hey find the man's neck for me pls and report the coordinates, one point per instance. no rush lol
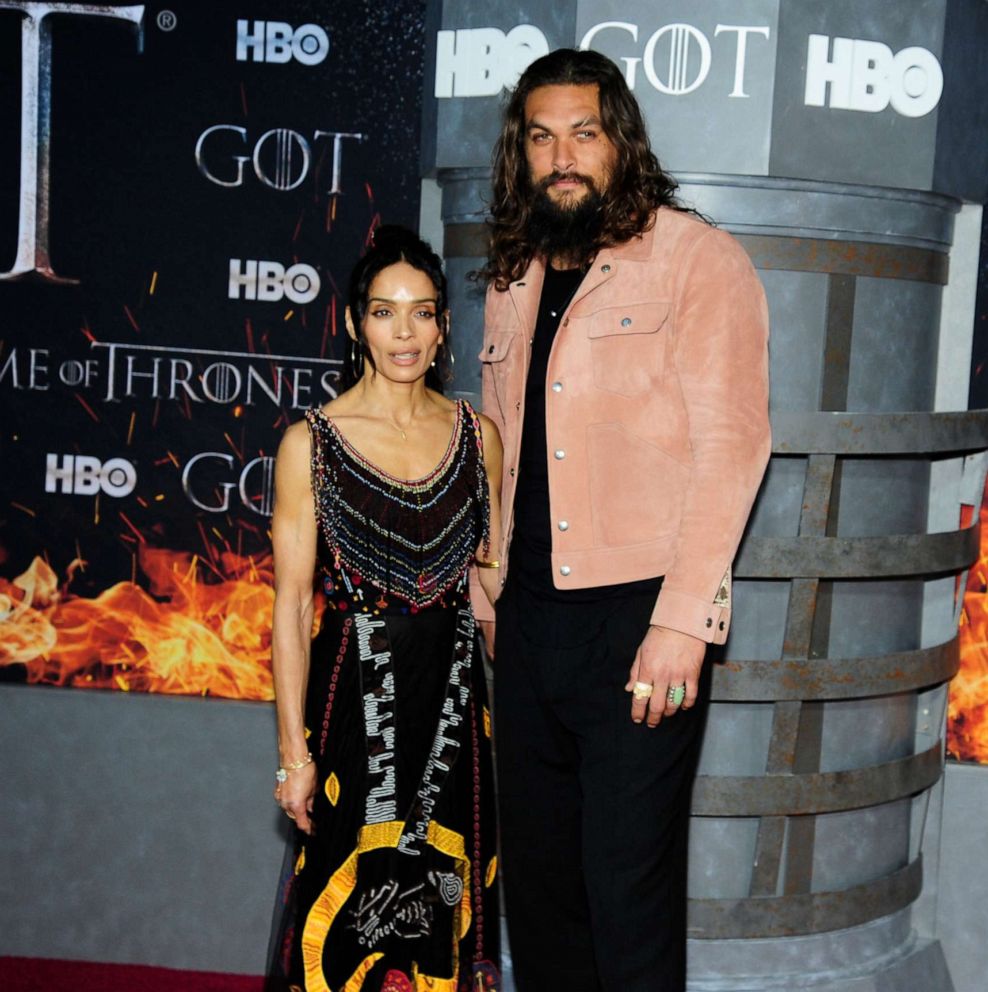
(565, 262)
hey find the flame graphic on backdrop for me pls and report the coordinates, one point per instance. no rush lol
(187, 636)
(967, 712)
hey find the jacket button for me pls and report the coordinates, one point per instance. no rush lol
(710, 622)
(564, 569)
(519, 284)
(563, 525)
(721, 625)
(490, 350)
(511, 472)
(518, 406)
(626, 322)
(605, 268)
(557, 387)
(559, 454)
(566, 322)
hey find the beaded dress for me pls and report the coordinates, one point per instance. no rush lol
(395, 891)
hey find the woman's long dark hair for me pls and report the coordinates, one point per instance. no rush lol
(638, 184)
(393, 244)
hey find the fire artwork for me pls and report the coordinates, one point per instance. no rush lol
(967, 712)
(187, 635)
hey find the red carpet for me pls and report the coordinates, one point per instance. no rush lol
(40, 975)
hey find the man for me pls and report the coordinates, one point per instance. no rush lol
(625, 366)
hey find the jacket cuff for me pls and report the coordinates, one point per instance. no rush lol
(690, 615)
(482, 609)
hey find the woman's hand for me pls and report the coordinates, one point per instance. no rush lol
(295, 796)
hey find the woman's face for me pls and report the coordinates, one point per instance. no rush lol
(401, 327)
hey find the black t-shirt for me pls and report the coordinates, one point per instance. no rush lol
(531, 541)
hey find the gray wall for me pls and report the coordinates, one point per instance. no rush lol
(962, 903)
(137, 828)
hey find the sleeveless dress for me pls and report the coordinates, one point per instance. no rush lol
(396, 889)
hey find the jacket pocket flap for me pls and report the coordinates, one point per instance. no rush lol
(496, 345)
(632, 318)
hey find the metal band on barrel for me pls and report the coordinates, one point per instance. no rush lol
(834, 678)
(857, 557)
(805, 913)
(819, 792)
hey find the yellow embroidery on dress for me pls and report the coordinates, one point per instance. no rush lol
(450, 842)
(337, 891)
(427, 983)
(487, 722)
(300, 862)
(356, 981)
(319, 920)
(491, 872)
(343, 881)
(333, 788)
(375, 835)
(307, 732)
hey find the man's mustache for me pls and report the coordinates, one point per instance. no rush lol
(556, 177)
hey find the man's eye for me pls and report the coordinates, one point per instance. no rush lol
(540, 139)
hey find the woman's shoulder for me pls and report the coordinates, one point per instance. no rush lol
(296, 436)
(489, 432)
(339, 406)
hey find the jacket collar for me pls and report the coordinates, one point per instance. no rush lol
(526, 292)
(608, 261)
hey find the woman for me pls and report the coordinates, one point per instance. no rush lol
(389, 494)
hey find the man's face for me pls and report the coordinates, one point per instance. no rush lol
(568, 152)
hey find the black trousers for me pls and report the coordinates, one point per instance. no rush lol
(594, 809)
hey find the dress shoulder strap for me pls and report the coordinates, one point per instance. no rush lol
(482, 487)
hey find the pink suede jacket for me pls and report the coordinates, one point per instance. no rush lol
(656, 416)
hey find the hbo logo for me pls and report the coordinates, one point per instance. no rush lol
(867, 76)
(84, 475)
(481, 61)
(271, 281)
(275, 41)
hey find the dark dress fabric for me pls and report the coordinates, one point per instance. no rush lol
(396, 889)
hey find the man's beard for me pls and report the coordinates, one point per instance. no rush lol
(567, 232)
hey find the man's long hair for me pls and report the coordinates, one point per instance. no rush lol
(638, 184)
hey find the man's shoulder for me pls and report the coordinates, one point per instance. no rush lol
(679, 234)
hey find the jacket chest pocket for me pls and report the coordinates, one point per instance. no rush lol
(626, 348)
(499, 357)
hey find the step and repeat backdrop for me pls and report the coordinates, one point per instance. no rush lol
(184, 189)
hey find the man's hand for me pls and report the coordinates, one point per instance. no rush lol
(665, 658)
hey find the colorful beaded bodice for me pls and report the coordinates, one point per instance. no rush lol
(412, 540)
